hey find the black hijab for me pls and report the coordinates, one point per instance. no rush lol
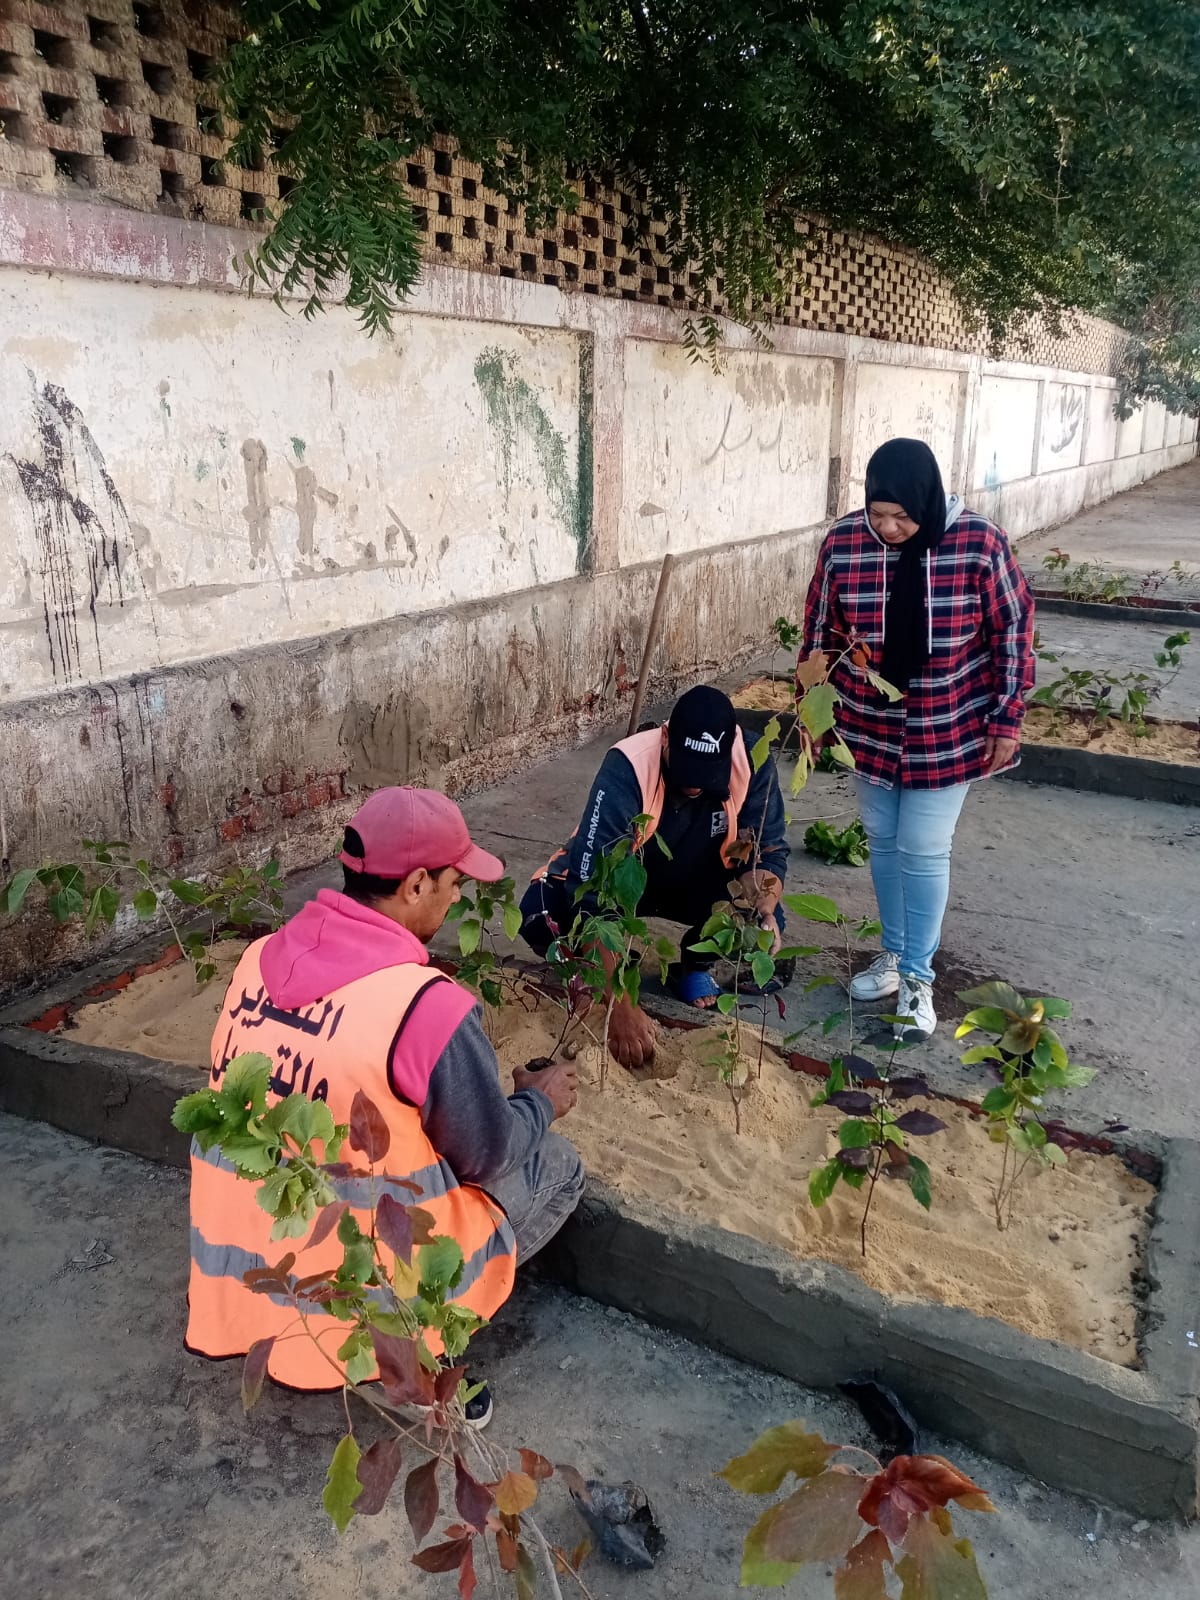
(904, 472)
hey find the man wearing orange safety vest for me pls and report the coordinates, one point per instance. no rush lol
(343, 998)
(722, 822)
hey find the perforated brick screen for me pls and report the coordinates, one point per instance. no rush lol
(109, 99)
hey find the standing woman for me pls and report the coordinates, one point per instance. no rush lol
(934, 591)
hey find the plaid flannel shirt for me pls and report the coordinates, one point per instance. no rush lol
(981, 665)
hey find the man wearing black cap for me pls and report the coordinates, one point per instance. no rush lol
(722, 822)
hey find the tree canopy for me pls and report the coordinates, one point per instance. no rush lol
(1042, 155)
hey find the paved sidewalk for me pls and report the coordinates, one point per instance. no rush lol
(1144, 530)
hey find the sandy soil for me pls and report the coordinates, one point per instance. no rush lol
(1064, 1270)
(1165, 741)
(766, 694)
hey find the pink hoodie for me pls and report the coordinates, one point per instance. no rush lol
(331, 942)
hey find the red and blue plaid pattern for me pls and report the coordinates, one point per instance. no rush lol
(981, 665)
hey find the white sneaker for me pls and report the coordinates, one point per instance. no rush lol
(916, 1001)
(879, 980)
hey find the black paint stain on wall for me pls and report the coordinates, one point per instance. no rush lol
(80, 524)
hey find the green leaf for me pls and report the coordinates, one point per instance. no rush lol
(855, 1134)
(813, 907)
(18, 888)
(512, 919)
(788, 1448)
(726, 1003)
(988, 1019)
(884, 687)
(762, 966)
(187, 891)
(817, 709)
(1001, 996)
(842, 754)
(1057, 1010)
(629, 883)
(758, 1569)
(440, 1264)
(919, 1181)
(470, 931)
(937, 1567)
(822, 1181)
(145, 904)
(980, 1052)
(342, 1487)
(998, 1102)
(65, 904)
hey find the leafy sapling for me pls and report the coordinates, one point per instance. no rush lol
(876, 1526)
(200, 912)
(839, 846)
(389, 1280)
(873, 1141)
(1031, 1060)
(482, 966)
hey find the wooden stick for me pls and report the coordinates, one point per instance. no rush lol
(652, 634)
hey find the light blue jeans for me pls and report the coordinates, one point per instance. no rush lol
(910, 832)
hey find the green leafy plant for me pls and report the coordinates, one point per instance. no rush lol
(1100, 696)
(1036, 173)
(479, 917)
(839, 846)
(788, 633)
(873, 1141)
(390, 1291)
(1032, 1061)
(599, 958)
(817, 700)
(199, 911)
(873, 1524)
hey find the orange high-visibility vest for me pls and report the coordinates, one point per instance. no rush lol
(644, 752)
(328, 1050)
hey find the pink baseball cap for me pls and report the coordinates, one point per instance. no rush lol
(403, 829)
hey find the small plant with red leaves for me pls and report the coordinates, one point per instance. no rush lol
(888, 1529)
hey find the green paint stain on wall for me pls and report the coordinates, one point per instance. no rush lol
(202, 471)
(514, 411)
(299, 447)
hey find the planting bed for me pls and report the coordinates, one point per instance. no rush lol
(1066, 1346)
(1065, 1270)
(1178, 613)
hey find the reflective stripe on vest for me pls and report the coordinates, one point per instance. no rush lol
(644, 752)
(328, 1050)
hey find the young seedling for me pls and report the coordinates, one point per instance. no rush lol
(1101, 696)
(605, 947)
(877, 1525)
(839, 846)
(390, 1288)
(873, 1141)
(96, 889)
(482, 966)
(1031, 1060)
(821, 909)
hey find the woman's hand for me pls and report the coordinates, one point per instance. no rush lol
(999, 753)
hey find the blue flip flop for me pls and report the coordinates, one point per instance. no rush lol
(692, 985)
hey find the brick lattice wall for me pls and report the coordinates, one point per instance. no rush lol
(108, 99)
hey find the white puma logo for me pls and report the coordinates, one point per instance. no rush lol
(708, 744)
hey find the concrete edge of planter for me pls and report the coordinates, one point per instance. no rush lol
(1096, 611)
(1129, 1438)
(1065, 767)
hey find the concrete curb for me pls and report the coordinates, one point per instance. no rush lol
(1133, 777)
(1130, 1438)
(1094, 611)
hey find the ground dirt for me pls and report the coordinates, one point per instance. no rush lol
(1065, 1269)
(128, 1472)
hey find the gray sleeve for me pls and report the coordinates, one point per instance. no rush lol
(764, 813)
(480, 1131)
(614, 801)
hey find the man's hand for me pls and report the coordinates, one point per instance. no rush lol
(998, 753)
(560, 1085)
(631, 1036)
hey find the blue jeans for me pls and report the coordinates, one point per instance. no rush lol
(910, 832)
(540, 1196)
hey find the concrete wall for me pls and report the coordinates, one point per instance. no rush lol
(254, 565)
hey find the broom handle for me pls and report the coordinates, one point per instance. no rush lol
(651, 640)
